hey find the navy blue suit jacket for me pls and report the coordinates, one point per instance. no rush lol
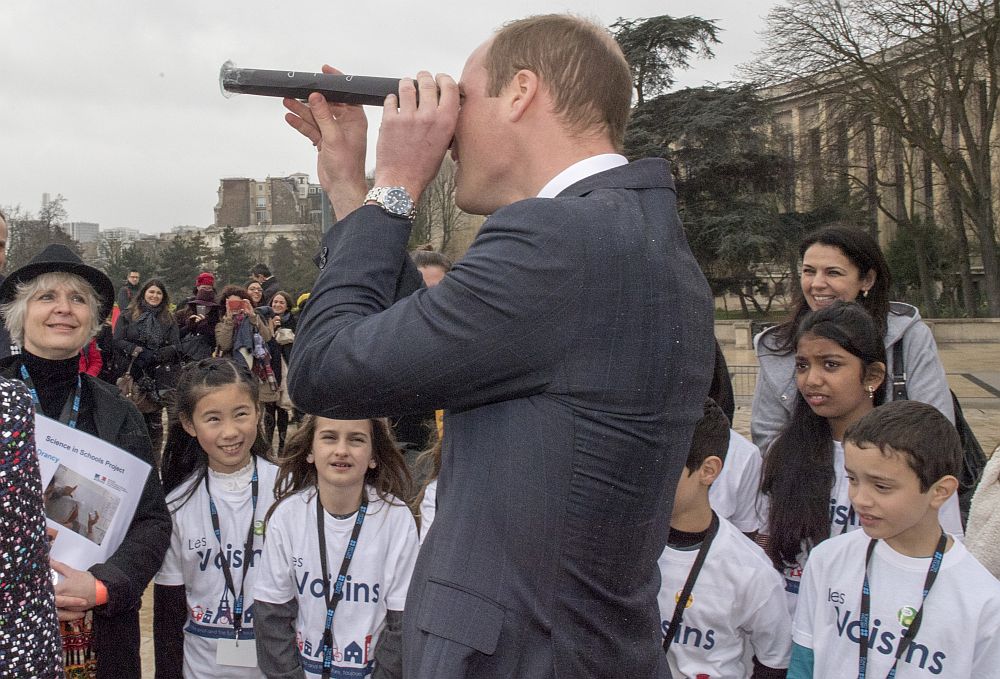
(572, 348)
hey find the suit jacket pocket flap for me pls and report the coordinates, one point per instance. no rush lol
(460, 616)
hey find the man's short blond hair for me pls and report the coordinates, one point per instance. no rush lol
(579, 63)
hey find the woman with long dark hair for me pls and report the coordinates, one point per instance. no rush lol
(845, 264)
(148, 339)
(282, 325)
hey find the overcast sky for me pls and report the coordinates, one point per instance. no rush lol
(116, 105)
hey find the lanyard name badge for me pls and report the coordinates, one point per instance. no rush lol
(333, 595)
(685, 595)
(236, 652)
(71, 409)
(911, 631)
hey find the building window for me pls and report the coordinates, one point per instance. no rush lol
(262, 216)
(261, 202)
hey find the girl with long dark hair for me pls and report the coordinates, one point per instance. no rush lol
(219, 486)
(839, 377)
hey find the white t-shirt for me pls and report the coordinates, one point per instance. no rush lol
(194, 560)
(734, 494)
(377, 579)
(958, 636)
(843, 519)
(428, 506)
(737, 610)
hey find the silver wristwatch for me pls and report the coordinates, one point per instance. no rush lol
(395, 200)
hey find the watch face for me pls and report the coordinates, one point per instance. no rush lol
(398, 201)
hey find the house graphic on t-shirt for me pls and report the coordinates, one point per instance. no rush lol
(354, 654)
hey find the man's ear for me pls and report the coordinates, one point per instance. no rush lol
(942, 489)
(522, 90)
(710, 469)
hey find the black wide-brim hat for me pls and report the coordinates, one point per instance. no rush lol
(55, 258)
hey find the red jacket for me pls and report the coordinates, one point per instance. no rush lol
(90, 359)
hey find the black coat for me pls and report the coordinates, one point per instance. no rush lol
(106, 414)
(127, 335)
(127, 339)
(197, 338)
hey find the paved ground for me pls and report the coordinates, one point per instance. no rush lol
(973, 373)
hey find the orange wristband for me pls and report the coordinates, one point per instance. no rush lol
(100, 593)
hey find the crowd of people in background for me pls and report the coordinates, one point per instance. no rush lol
(824, 373)
(832, 543)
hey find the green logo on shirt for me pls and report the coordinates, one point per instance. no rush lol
(905, 615)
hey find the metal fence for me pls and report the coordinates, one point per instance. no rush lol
(744, 379)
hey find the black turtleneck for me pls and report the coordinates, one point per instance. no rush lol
(54, 381)
(683, 540)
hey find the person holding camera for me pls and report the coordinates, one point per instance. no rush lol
(234, 333)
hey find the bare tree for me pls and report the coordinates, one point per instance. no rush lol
(29, 235)
(438, 219)
(928, 71)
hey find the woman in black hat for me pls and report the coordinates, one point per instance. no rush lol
(52, 307)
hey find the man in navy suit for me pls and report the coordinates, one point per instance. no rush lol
(571, 348)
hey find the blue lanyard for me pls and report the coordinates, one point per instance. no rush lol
(910, 632)
(69, 414)
(332, 599)
(247, 549)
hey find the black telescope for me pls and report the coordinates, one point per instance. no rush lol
(341, 89)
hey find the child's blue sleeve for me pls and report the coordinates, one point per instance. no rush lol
(801, 664)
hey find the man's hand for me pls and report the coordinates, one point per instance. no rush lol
(415, 136)
(340, 134)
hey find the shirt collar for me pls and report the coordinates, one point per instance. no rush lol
(581, 170)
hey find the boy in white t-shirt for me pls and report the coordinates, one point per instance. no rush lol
(900, 593)
(735, 495)
(735, 623)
